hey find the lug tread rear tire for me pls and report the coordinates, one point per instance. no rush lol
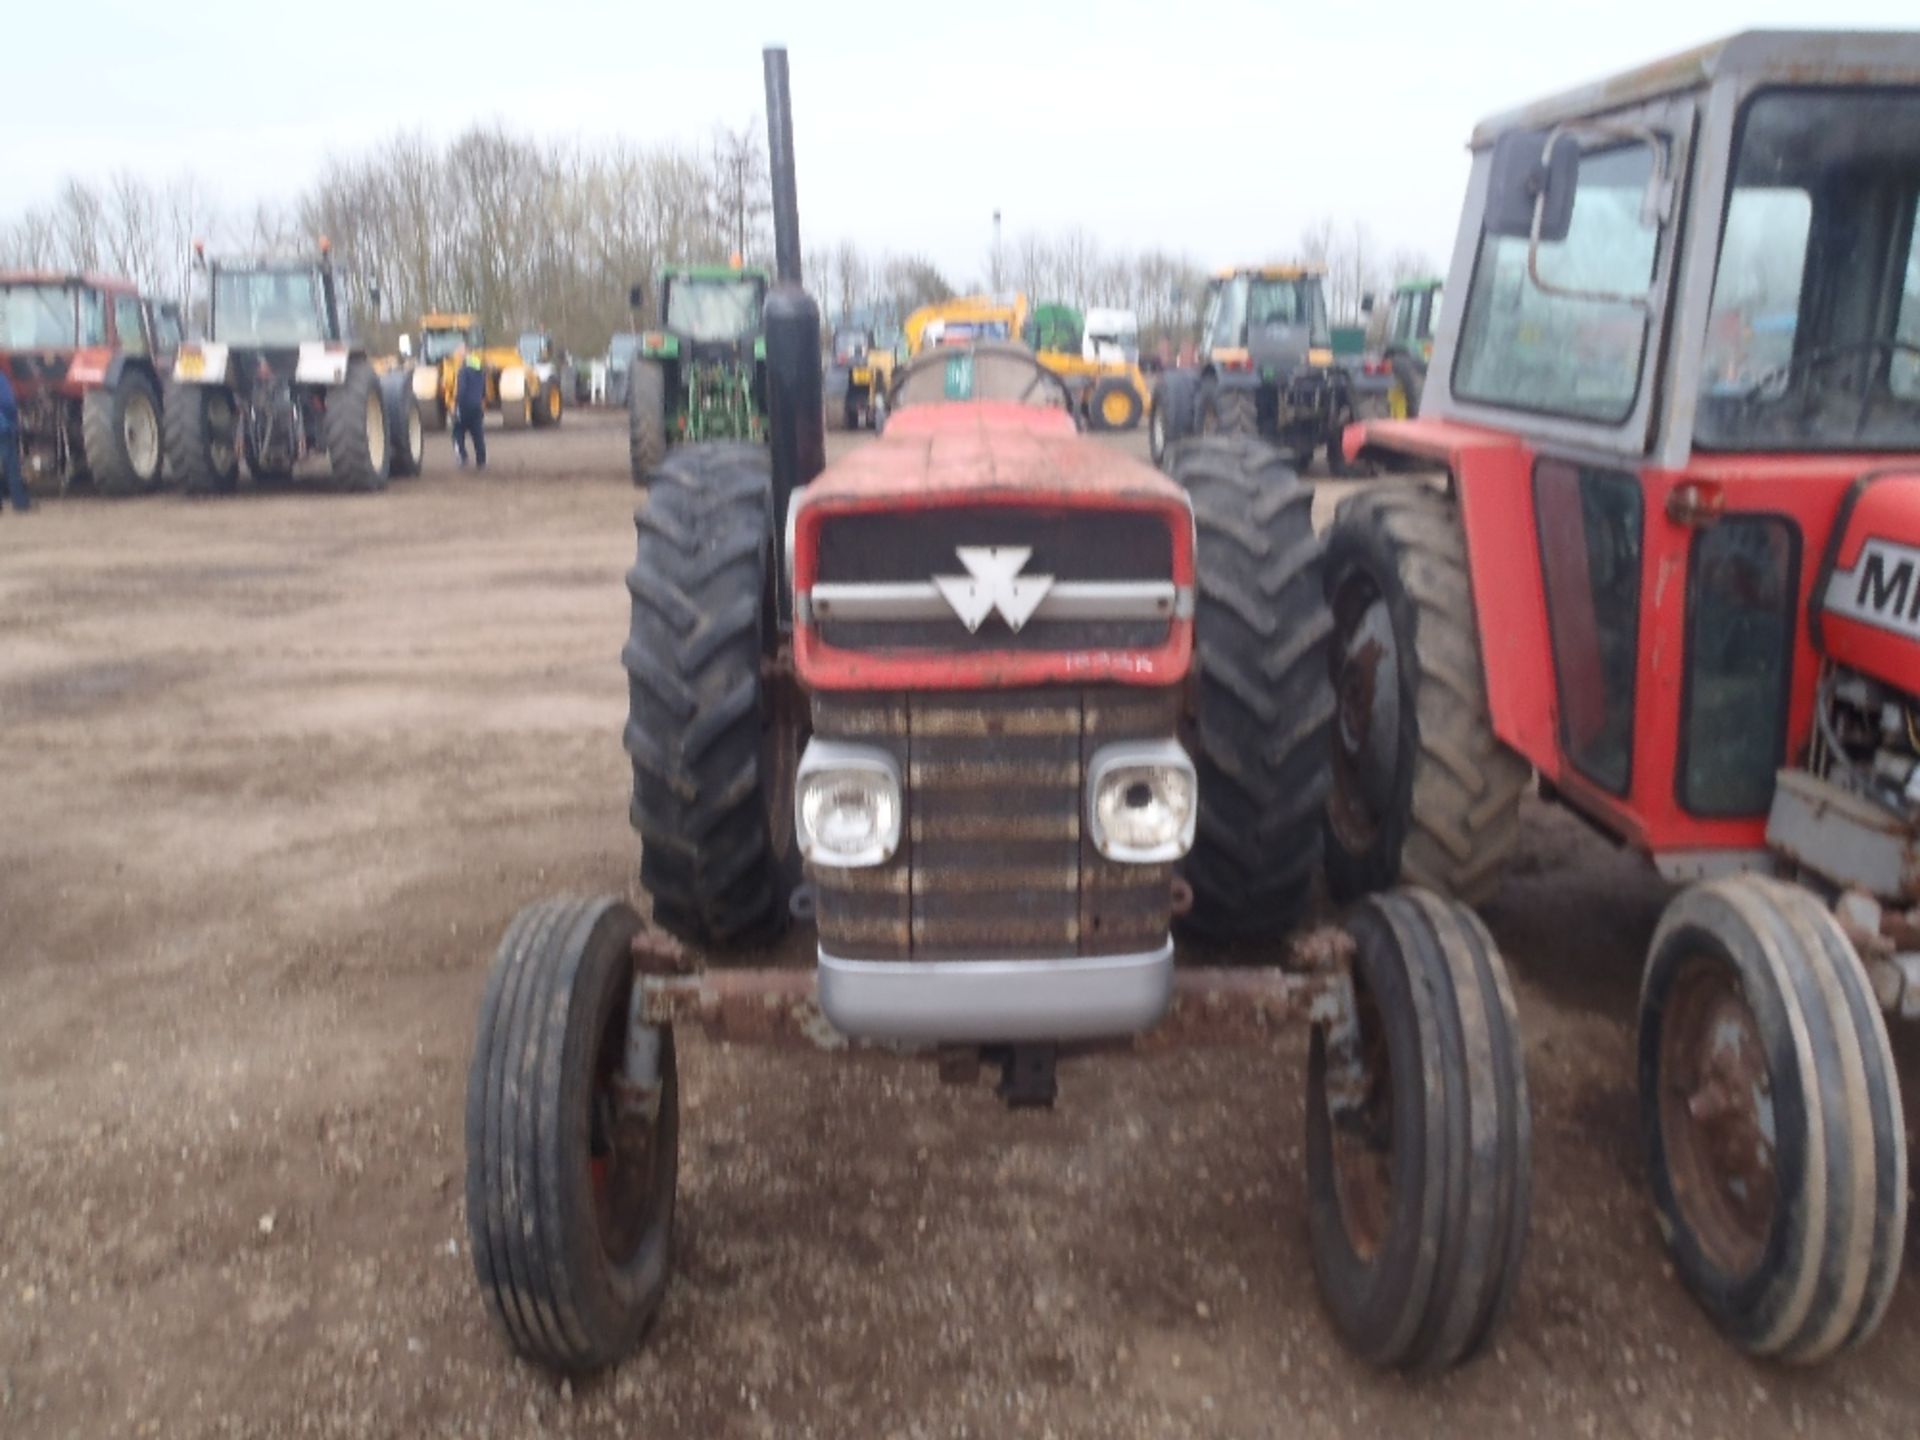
(560, 969)
(406, 429)
(1260, 736)
(693, 660)
(103, 434)
(1434, 1290)
(1459, 795)
(1231, 410)
(186, 431)
(1170, 415)
(1838, 1222)
(350, 449)
(646, 418)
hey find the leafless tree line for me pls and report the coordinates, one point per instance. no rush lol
(551, 234)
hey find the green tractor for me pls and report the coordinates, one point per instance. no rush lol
(1399, 345)
(702, 373)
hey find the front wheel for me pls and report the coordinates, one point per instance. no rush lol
(1231, 410)
(646, 419)
(120, 434)
(1419, 1137)
(1114, 405)
(1169, 413)
(1776, 1146)
(200, 428)
(572, 1138)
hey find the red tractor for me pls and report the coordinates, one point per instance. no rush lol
(1672, 570)
(990, 706)
(85, 355)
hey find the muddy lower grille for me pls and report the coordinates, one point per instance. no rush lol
(993, 861)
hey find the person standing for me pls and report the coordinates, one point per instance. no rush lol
(469, 408)
(10, 447)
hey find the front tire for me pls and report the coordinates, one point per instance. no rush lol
(1114, 405)
(711, 782)
(359, 449)
(1169, 413)
(1419, 1138)
(120, 434)
(1423, 790)
(1229, 410)
(1264, 702)
(572, 1159)
(1776, 1146)
(646, 419)
(547, 406)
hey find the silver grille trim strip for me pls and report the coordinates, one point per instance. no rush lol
(1066, 600)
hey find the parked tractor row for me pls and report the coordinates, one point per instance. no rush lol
(997, 710)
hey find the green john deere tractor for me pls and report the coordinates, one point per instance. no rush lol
(701, 374)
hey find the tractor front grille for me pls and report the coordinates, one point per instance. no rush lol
(877, 581)
(994, 861)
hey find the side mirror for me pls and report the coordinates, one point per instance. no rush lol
(406, 346)
(373, 297)
(1366, 303)
(637, 297)
(1528, 178)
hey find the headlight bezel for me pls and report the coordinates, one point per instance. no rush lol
(828, 762)
(1131, 762)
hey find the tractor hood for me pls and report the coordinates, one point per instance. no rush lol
(985, 545)
(1866, 600)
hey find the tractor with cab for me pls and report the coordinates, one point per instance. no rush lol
(1399, 345)
(992, 709)
(85, 355)
(1659, 552)
(279, 379)
(1265, 369)
(700, 374)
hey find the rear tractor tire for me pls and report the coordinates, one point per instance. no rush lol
(1229, 410)
(572, 1140)
(1419, 1137)
(1264, 704)
(646, 419)
(1423, 791)
(120, 434)
(714, 741)
(200, 429)
(1771, 1112)
(359, 446)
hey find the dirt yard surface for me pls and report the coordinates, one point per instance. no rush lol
(276, 771)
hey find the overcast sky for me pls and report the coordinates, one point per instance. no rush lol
(1215, 127)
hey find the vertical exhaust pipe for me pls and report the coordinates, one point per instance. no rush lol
(796, 424)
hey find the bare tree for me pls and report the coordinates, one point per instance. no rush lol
(740, 184)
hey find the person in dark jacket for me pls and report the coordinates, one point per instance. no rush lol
(470, 409)
(10, 446)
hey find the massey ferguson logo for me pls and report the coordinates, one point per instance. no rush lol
(993, 582)
(1882, 589)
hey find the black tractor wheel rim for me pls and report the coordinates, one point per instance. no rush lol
(1361, 1127)
(1717, 1122)
(1366, 658)
(623, 1145)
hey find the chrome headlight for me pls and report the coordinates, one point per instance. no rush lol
(1142, 802)
(846, 804)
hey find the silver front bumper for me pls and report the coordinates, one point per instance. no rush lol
(996, 1001)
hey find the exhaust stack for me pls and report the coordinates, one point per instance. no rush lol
(796, 424)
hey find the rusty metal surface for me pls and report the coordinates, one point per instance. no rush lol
(993, 861)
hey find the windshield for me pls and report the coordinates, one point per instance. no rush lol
(266, 307)
(1247, 303)
(34, 317)
(533, 347)
(437, 345)
(713, 309)
(1813, 341)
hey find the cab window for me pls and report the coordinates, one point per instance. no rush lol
(127, 322)
(93, 318)
(1574, 344)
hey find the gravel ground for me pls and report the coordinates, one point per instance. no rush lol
(278, 770)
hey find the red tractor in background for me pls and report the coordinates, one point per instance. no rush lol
(991, 706)
(85, 354)
(1672, 569)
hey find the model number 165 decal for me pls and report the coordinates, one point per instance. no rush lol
(1882, 589)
